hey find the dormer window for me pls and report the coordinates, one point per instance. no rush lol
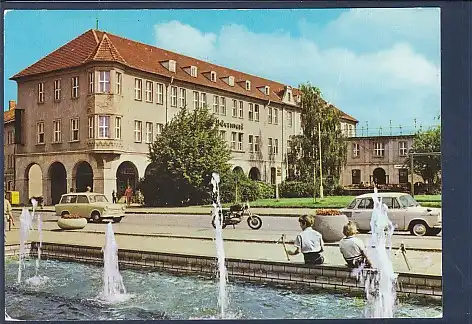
(267, 90)
(231, 81)
(213, 76)
(170, 65)
(193, 71)
(248, 85)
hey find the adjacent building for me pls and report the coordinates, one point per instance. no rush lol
(378, 159)
(9, 147)
(88, 111)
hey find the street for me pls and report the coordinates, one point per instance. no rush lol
(199, 227)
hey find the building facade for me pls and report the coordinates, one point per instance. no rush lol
(378, 159)
(90, 109)
(9, 147)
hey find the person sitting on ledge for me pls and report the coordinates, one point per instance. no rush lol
(352, 248)
(309, 242)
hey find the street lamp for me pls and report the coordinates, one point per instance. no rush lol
(321, 168)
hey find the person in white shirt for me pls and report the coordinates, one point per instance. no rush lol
(309, 242)
(352, 248)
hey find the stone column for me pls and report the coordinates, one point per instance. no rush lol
(47, 190)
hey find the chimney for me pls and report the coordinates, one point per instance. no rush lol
(11, 104)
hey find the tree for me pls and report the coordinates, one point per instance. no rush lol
(429, 166)
(184, 155)
(304, 155)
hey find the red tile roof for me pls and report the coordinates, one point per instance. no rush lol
(96, 45)
(8, 116)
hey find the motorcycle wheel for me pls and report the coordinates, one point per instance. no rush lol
(254, 222)
(213, 223)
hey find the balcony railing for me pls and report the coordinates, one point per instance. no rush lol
(105, 144)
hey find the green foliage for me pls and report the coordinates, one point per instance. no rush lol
(297, 189)
(320, 123)
(248, 190)
(428, 167)
(184, 155)
(266, 190)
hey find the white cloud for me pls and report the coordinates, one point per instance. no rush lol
(394, 82)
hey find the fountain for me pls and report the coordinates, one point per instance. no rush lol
(380, 281)
(26, 224)
(113, 288)
(223, 296)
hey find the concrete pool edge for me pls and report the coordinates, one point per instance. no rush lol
(288, 275)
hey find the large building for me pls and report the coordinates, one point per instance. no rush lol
(89, 109)
(9, 147)
(379, 159)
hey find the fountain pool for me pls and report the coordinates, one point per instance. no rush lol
(72, 295)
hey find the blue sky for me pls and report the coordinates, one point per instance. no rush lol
(378, 65)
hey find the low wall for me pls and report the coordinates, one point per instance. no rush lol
(289, 275)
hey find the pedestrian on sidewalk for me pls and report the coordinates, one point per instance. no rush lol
(113, 196)
(352, 248)
(128, 195)
(7, 216)
(309, 242)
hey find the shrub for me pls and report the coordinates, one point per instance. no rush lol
(266, 190)
(297, 189)
(248, 190)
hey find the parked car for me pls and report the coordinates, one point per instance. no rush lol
(92, 206)
(404, 211)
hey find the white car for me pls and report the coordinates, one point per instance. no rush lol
(404, 211)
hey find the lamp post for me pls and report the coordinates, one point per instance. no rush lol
(321, 166)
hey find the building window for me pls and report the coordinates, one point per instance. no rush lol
(248, 85)
(160, 94)
(251, 143)
(74, 129)
(104, 82)
(103, 126)
(269, 146)
(240, 141)
(289, 96)
(213, 76)
(269, 120)
(183, 98)
(91, 82)
(276, 116)
(379, 149)
(256, 112)
(231, 81)
(276, 146)
(223, 106)
(173, 96)
(351, 130)
(138, 131)
(289, 146)
(223, 135)
(402, 176)
(159, 128)
(172, 65)
(91, 127)
(41, 92)
(148, 132)
(10, 137)
(233, 140)
(75, 87)
(57, 90)
(118, 127)
(241, 109)
(289, 118)
(356, 176)
(355, 150)
(138, 89)
(119, 81)
(216, 104)
(196, 98)
(234, 110)
(403, 148)
(257, 147)
(203, 100)
(57, 127)
(149, 91)
(40, 132)
(193, 71)
(251, 112)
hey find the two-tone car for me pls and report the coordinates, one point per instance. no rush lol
(404, 212)
(94, 207)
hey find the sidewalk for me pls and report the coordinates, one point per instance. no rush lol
(421, 262)
(200, 210)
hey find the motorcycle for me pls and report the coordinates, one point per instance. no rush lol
(235, 214)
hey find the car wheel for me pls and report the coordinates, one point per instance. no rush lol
(419, 228)
(65, 213)
(96, 217)
(434, 231)
(116, 219)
